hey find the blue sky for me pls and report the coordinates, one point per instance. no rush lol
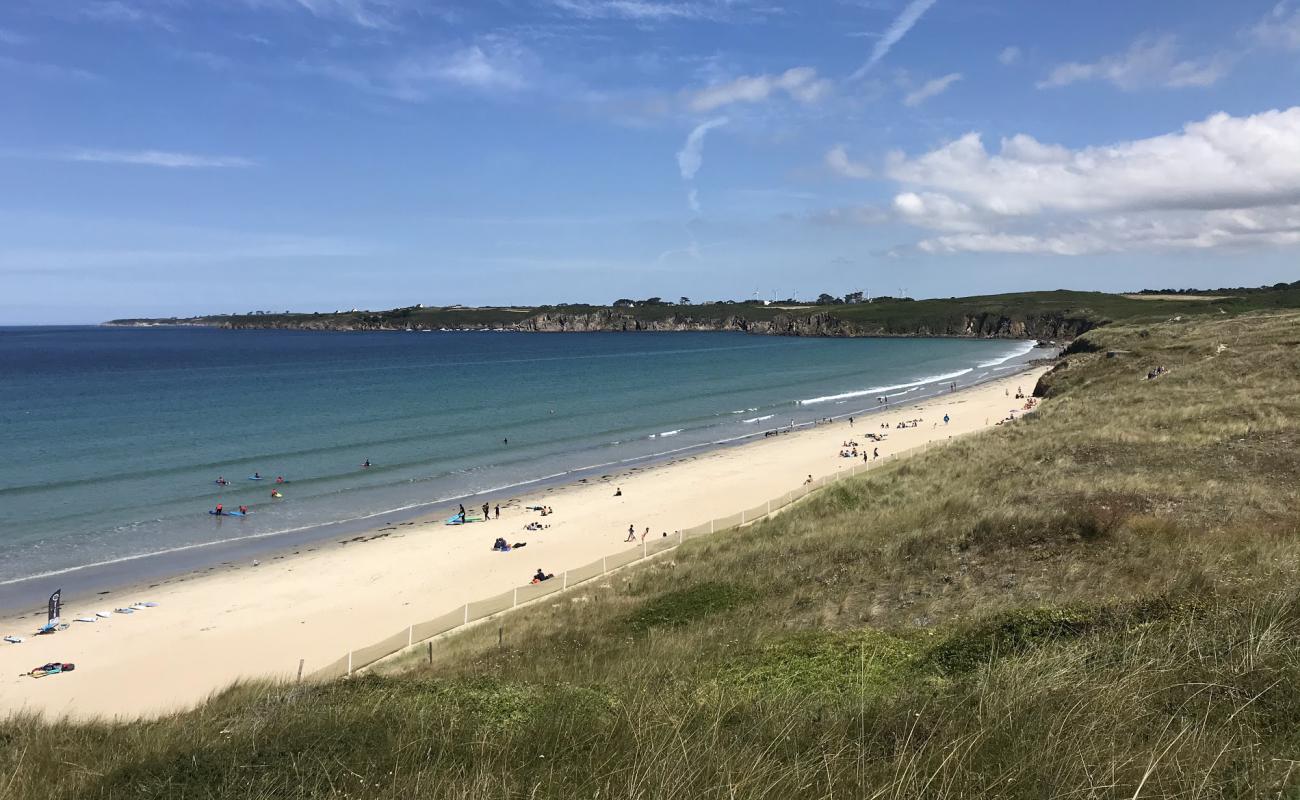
(187, 156)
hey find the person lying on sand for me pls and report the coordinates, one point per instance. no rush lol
(542, 576)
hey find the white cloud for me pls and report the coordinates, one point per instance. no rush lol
(10, 37)
(1009, 56)
(1220, 162)
(837, 158)
(693, 200)
(1279, 28)
(691, 157)
(1148, 63)
(930, 89)
(800, 83)
(938, 211)
(1278, 227)
(1220, 181)
(910, 15)
(155, 158)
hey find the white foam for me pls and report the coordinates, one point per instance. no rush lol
(756, 419)
(1021, 349)
(665, 433)
(879, 390)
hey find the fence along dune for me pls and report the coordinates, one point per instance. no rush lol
(480, 609)
(492, 605)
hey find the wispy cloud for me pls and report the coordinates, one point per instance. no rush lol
(911, 14)
(473, 66)
(373, 14)
(630, 9)
(930, 89)
(1009, 56)
(205, 58)
(155, 158)
(1280, 27)
(492, 64)
(10, 37)
(115, 11)
(1148, 63)
(45, 71)
(645, 11)
(800, 83)
(837, 158)
(691, 157)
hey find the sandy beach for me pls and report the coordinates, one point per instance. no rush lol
(259, 621)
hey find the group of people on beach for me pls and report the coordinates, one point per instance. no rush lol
(908, 423)
(849, 449)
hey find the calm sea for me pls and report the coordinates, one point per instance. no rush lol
(111, 439)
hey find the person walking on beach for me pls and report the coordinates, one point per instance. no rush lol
(875, 453)
(497, 509)
(645, 535)
(945, 419)
(485, 512)
(631, 534)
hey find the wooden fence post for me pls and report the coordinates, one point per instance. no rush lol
(300, 661)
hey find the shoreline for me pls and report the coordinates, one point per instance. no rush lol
(241, 621)
(145, 571)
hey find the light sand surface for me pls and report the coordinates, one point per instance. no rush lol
(258, 621)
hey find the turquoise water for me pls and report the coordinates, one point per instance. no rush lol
(113, 437)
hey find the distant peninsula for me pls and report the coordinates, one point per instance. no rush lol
(1051, 315)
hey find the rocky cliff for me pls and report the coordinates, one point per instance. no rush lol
(985, 326)
(829, 323)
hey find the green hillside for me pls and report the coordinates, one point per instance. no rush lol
(1058, 314)
(1096, 602)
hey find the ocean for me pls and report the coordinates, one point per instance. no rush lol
(112, 439)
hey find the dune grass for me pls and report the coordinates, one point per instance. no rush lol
(1098, 601)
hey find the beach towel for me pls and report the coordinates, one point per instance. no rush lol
(103, 614)
(87, 619)
(125, 610)
(14, 639)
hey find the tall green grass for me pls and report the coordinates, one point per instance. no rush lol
(1095, 602)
